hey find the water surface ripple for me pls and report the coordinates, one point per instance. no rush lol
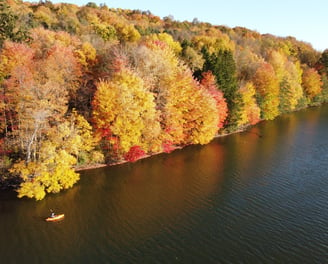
(255, 197)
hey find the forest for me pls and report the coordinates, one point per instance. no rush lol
(88, 85)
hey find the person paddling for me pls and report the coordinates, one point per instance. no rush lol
(52, 213)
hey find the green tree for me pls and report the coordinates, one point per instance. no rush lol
(223, 66)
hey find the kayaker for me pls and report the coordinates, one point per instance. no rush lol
(52, 214)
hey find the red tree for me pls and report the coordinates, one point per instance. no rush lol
(135, 153)
(209, 83)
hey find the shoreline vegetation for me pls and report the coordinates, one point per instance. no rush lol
(83, 87)
(102, 165)
(13, 186)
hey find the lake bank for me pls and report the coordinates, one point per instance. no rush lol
(102, 165)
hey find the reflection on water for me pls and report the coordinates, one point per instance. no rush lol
(146, 197)
(256, 196)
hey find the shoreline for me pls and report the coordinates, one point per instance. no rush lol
(102, 165)
(239, 130)
(12, 185)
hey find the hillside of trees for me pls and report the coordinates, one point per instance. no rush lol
(96, 85)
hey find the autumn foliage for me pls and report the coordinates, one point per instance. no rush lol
(86, 85)
(209, 83)
(134, 154)
(312, 83)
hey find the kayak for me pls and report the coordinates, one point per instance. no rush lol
(55, 218)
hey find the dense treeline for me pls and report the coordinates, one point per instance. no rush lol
(92, 84)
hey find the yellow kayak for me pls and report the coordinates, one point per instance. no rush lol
(55, 218)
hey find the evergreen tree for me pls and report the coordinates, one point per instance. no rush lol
(223, 66)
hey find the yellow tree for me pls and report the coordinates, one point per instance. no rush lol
(45, 16)
(155, 63)
(251, 112)
(58, 154)
(289, 75)
(50, 175)
(311, 82)
(291, 91)
(277, 60)
(127, 32)
(267, 87)
(192, 58)
(86, 54)
(75, 135)
(190, 113)
(213, 40)
(167, 39)
(124, 112)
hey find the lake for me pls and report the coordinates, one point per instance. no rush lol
(259, 196)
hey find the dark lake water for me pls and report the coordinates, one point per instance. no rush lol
(255, 197)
